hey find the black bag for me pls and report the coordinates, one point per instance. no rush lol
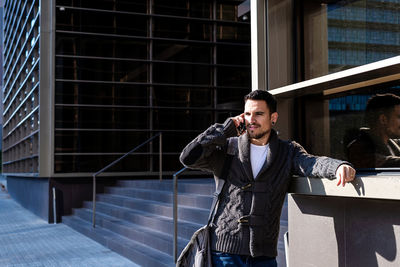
(197, 252)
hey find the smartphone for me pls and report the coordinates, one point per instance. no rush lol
(241, 128)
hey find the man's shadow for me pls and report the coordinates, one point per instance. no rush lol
(363, 227)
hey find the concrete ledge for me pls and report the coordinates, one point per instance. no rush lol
(364, 186)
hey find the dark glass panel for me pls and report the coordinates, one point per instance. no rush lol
(184, 8)
(223, 115)
(101, 94)
(233, 33)
(181, 73)
(182, 125)
(100, 70)
(235, 55)
(234, 76)
(66, 142)
(231, 98)
(101, 118)
(182, 29)
(167, 119)
(164, 50)
(101, 22)
(87, 163)
(139, 6)
(70, 44)
(176, 141)
(99, 141)
(182, 97)
(227, 10)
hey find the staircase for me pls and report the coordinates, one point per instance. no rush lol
(134, 218)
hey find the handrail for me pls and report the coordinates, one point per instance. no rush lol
(118, 160)
(175, 212)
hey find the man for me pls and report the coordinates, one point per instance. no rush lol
(246, 226)
(378, 146)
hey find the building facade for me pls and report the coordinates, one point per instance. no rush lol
(323, 60)
(87, 81)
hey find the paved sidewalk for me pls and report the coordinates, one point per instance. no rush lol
(27, 240)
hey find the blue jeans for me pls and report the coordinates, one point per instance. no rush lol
(221, 259)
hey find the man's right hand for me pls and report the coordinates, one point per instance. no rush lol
(237, 121)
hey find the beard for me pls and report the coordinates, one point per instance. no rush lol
(253, 135)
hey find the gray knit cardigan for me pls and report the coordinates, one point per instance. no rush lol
(248, 217)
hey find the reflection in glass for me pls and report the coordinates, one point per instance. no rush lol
(378, 145)
(341, 125)
(345, 34)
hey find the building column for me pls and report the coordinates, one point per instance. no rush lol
(47, 84)
(259, 65)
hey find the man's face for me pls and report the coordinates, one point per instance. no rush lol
(393, 123)
(258, 119)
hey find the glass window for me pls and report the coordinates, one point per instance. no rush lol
(124, 68)
(234, 76)
(345, 34)
(172, 51)
(139, 6)
(184, 8)
(94, 163)
(175, 73)
(168, 96)
(361, 126)
(233, 55)
(101, 94)
(100, 22)
(117, 47)
(88, 141)
(100, 70)
(233, 33)
(182, 29)
(233, 97)
(101, 118)
(182, 119)
(227, 10)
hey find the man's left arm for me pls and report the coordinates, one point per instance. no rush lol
(322, 167)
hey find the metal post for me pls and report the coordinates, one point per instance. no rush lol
(160, 157)
(175, 212)
(286, 240)
(94, 202)
(175, 215)
(54, 206)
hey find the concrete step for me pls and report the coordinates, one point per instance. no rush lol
(135, 251)
(145, 235)
(138, 213)
(197, 215)
(158, 223)
(204, 186)
(184, 199)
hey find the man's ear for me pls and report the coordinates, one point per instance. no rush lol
(382, 119)
(274, 117)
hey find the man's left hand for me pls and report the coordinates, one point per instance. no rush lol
(344, 174)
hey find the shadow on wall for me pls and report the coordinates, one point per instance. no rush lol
(364, 228)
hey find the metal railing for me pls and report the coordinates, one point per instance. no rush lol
(175, 212)
(118, 160)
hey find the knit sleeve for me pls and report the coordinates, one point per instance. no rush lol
(205, 151)
(308, 165)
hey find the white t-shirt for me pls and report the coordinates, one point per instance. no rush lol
(258, 155)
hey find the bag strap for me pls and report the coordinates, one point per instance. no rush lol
(221, 182)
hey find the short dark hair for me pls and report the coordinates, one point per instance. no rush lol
(380, 104)
(262, 95)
